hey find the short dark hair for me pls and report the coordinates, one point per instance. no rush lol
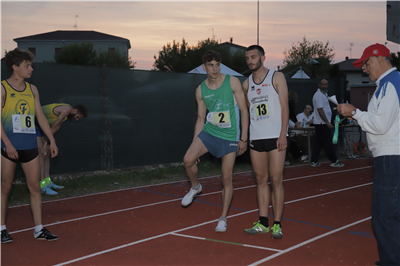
(17, 56)
(211, 55)
(81, 109)
(256, 47)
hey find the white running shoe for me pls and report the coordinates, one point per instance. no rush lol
(221, 227)
(190, 195)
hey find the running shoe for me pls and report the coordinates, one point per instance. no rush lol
(304, 158)
(54, 186)
(190, 196)
(44, 234)
(276, 231)
(317, 164)
(48, 191)
(287, 163)
(221, 227)
(258, 228)
(5, 237)
(337, 164)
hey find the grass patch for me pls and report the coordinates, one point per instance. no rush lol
(100, 181)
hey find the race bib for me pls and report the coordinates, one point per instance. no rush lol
(262, 109)
(220, 119)
(24, 124)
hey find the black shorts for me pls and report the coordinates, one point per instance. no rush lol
(263, 145)
(24, 156)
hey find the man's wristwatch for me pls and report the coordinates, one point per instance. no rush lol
(353, 112)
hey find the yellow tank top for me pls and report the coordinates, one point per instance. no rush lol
(18, 117)
(48, 111)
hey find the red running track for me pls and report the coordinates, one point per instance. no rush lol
(326, 222)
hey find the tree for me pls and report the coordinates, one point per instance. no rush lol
(301, 54)
(180, 57)
(114, 59)
(81, 54)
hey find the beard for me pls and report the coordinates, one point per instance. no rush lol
(257, 66)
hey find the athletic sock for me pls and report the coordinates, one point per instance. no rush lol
(222, 218)
(264, 221)
(278, 223)
(3, 227)
(196, 187)
(38, 228)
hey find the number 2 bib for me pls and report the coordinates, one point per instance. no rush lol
(24, 124)
(220, 119)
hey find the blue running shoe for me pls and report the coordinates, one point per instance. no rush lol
(54, 186)
(48, 191)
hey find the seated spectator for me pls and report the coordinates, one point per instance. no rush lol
(306, 118)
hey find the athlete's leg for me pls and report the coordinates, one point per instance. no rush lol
(7, 178)
(32, 173)
(42, 157)
(227, 163)
(276, 162)
(259, 161)
(194, 152)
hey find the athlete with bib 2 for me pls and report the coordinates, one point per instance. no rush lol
(20, 105)
(267, 99)
(223, 97)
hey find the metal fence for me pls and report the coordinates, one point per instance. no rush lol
(135, 117)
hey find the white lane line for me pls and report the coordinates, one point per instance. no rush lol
(167, 201)
(307, 242)
(172, 182)
(226, 242)
(191, 227)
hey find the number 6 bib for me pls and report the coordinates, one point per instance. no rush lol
(24, 124)
(220, 119)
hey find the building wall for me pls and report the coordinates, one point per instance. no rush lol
(356, 78)
(45, 51)
(360, 96)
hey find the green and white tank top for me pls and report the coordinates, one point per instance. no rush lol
(223, 117)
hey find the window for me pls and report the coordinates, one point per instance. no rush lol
(57, 50)
(32, 50)
(111, 49)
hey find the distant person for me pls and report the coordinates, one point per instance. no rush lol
(306, 117)
(382, 125)
(323, 135)
(267, 95)
(56, 114)
(20, 105)
(222, 96)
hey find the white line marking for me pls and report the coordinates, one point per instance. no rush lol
(168, 201)
(308, 241)
(180, 181)
(227, 242)
(191, 227)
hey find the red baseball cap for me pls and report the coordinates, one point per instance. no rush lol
(373, 50)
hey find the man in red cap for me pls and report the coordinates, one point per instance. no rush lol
(382, 125)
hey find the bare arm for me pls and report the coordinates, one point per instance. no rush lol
(323, 116)
(201, 113)
(63, 111)
(281, 86)
(245, 88)
(43, 123)
(10, 149)
(241, 101)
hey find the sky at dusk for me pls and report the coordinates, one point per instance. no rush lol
(150, 24)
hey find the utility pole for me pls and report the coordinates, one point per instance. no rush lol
(76, 22)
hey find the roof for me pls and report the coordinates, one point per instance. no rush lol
(233, 45)
(72, 35)
(346, 65)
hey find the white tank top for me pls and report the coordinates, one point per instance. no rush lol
(265, 109)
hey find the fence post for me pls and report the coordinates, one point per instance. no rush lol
(105, 123)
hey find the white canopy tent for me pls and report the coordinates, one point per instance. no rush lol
(300, 74)
(224, 70)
